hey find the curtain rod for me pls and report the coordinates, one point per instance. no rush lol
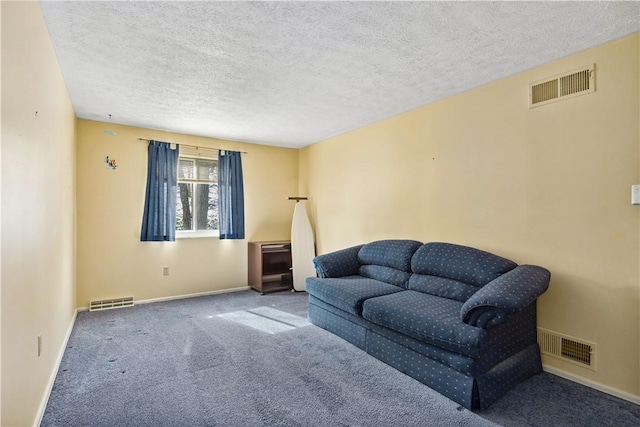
(194, 146)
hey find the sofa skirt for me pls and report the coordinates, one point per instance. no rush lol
(471, 392)
(347, 326)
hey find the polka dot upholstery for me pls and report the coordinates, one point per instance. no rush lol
(388, 260)
(507, 374)
(348, 293)
(460, 320)
(493, 304)
(443, 379)
(504, 341)
(390, 253)
(442, 287)
(339, 263)
(428, 318)
(461, 263)
(473, 383)
(348, 327)
(385, 274)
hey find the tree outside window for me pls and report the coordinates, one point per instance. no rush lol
(197, 197)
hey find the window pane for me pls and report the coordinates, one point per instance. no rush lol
(207, 170)
(186, 169)
(197, 202)
(184, 206)
(212, 212)
(207, 207)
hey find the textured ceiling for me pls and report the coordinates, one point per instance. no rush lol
(295, 73)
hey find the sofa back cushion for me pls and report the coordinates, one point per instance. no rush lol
(453, 271)
(388, 260)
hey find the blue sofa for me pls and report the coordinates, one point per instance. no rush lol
(458, 319)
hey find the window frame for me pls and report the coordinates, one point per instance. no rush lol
(195, 234)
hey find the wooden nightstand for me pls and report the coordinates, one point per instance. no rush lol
(270, 266)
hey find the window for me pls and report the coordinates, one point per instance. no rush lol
(197, 197)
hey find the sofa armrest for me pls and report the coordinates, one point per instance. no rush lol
(338, 264)
(505, 295)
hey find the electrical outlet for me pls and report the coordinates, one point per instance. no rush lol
(165, 271)
(39, 345)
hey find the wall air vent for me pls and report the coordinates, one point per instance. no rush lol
(578, 352)
(568, 85)
(107, 304)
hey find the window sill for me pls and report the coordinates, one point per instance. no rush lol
(200, 234)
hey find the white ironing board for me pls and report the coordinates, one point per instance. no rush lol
(302, 247)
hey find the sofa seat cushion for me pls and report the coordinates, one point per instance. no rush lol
(428, 318)
(441, 287)
(348, 293)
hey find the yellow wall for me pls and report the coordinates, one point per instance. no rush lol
(112, 262)
(548, 186)
(38, 242)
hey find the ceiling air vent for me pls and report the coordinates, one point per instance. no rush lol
(574, 83)
(579, 352)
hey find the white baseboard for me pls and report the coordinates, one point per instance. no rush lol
(174, 297)
(54, 373)
(594, 385)
(199, 294)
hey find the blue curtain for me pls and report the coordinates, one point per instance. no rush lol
(230, 195)
(159, 219)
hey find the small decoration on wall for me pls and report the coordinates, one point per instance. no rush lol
(111, 163)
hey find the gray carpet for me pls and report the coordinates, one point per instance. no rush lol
(243, 359)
